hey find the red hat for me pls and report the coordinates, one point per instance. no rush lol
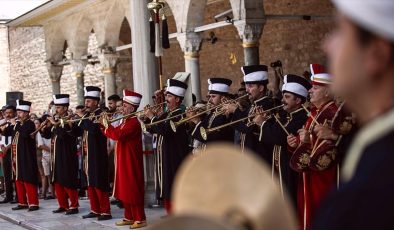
(131, 97)
(319, 75)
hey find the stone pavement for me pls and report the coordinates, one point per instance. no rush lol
(45, 219)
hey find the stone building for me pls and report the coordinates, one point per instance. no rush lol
(4, 62)
(66, 44)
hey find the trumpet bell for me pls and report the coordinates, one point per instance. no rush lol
(105, 122)
(62, 122)
(173, 126)
(143, 127)
(203, 133)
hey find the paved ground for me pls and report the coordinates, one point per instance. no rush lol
(45, 219)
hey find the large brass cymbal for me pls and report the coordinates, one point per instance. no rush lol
(188, 222)
(225, 184)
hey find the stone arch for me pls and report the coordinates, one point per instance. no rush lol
(124, 33)
(79, 38)
(251, 9)
(124, 67)
(113, 23)
(188, 14)
(54, 43)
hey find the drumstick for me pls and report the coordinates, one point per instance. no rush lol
(282, 126)
(310, 114)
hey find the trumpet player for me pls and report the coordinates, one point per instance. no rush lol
(256, 81)
(172, 147)
(94, 148)
(274, 131)
(24, 157)
(129, 172)
(218, 91)
(64, 161)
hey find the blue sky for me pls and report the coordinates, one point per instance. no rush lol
(10, 9)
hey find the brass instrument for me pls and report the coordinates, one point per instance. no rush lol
(5, 123)
(204, 132)
(144, 126)
(43, 124)
(107, 122)
(174, 125)
(63, 120)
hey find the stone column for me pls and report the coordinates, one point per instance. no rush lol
(78, 68)
(109, 61)
(145, 78)
(145, 72)
(55, 73)
(191, 45)
(250, 33)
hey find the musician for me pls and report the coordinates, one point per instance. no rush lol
(94, 148)
(112, 109)
(314, 158)
(64, 162)
(129, 174)
(256, 81)
(218, 91)
(9, 113)
(172, 147)
(274, 130)
(24, 157)
(361, 55)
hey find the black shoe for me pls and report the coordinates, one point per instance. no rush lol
(33, 208)
(120, 205)
(90, 215)
(104, 217)
(113, 202)
(6, 200)
(59, 210)
(72, 211)
(20, 207)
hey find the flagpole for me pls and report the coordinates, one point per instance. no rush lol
(156, 6)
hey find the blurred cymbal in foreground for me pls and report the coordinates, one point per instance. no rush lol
(225, 184)
(192, 222)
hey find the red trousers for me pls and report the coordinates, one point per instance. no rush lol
(63, 194)
(168, 206)
(99, 201)
(23, 189)
(134, 212)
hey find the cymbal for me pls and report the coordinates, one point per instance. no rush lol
(188, 222)
(224, 183)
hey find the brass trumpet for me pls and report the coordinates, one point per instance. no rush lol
(43, 124)
(204, 132)
(144, 126)
(5, 123)
(66, 120)
(107, 122)
(174, 125)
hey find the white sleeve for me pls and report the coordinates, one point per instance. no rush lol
(40, 141)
